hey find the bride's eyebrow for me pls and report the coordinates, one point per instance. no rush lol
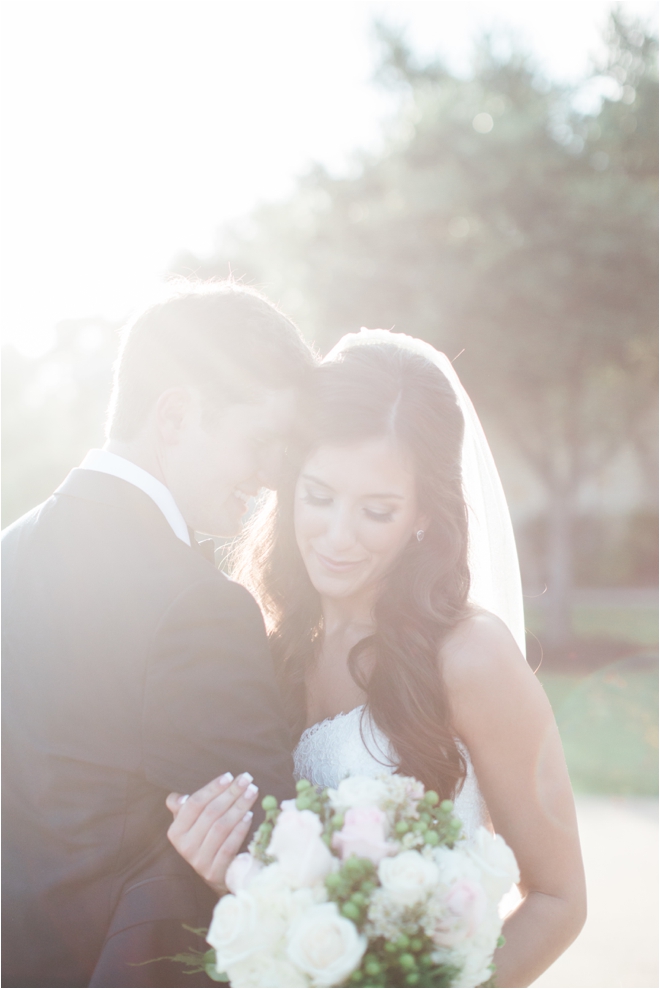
(316, 480)
(378, 494)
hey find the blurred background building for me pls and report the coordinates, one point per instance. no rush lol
(498, 207)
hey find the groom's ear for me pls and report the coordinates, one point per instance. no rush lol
(172, 409)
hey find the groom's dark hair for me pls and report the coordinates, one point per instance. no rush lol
(221, 338)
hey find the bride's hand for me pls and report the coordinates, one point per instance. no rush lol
(210, 825)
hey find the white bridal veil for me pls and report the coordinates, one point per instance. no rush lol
(492, 555)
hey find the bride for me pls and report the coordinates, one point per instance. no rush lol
(386, 571)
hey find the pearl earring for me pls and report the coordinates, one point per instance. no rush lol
(420, 535)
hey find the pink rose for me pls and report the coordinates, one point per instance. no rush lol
(363, 834)
(296, 844)
(242, 871)
(464, 909)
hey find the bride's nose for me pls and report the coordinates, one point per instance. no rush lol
(340, 534)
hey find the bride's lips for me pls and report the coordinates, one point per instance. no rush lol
(337, 566)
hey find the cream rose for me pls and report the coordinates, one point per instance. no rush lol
(455, 863)
(233, 929)
(267, 971)
(296, 844)
(495, 861)
(358, 791)
(363, 834)
(253, 920)
(408, 877)
(325, 945)
(242, 871)
(463, 909)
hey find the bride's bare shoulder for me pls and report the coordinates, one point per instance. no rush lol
(480, 649)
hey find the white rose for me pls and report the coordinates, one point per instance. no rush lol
(454, 864)
(296, 844)
(496, 862)
(253, 920)
(408, 877)
(265, 970)
(233, 928)
(359, 791)
(242, 871)
(462, 910)
(325, 945)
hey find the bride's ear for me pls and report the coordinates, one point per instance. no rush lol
(172, 409)
(421, 525)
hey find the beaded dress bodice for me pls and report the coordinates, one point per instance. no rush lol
(352, 745)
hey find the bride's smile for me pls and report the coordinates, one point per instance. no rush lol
(355, 511)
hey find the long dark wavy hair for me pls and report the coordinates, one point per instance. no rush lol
(369, 391)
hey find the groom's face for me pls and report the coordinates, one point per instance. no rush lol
(219, 462)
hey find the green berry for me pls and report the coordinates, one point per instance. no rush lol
(353, 866)
(401, 827)
(390, 948)
(269, 803)
(431, 837)
(302, 785)
(367, 887)
(425, 817)
(412, 979)
(402, 942)
(431, 798)
(419, 827)
(303, 802)
(337, 820)
(416, 945)
(372, 968)
(407, 961)
(426, 961)
(333, 880)
(356, 976)
(447, 806)
(351, 911)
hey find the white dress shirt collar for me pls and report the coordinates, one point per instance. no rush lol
(110, 463)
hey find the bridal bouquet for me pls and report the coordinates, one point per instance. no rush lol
(371, 884)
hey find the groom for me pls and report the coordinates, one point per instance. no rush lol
(132, 666)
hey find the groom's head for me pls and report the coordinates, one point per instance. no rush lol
(204, 395)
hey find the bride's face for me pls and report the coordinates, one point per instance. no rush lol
(355, 511)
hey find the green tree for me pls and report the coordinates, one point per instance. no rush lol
(53, 411)
(499, 222)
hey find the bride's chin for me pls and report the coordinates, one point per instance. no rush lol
(333, 587)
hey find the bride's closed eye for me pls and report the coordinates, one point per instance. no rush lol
(377, 516)
(316, 499)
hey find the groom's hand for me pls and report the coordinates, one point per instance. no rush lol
(210, 825)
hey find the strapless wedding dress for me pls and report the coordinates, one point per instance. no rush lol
(352, 745)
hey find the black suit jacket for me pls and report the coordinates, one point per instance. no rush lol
(132, 667)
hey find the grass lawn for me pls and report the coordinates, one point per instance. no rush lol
(608, 719)
(609, 727)
(633, 624)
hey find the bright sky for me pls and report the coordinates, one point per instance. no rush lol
(133, 128)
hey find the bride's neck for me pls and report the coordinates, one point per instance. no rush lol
(341, 614)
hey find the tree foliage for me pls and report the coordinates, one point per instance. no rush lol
(499, 222)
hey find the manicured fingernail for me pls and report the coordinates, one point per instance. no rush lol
(248, 817)
(183, 799)
(251, 790)
(244, 779)
(225, 778)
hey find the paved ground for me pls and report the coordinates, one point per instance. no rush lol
(619, 943)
